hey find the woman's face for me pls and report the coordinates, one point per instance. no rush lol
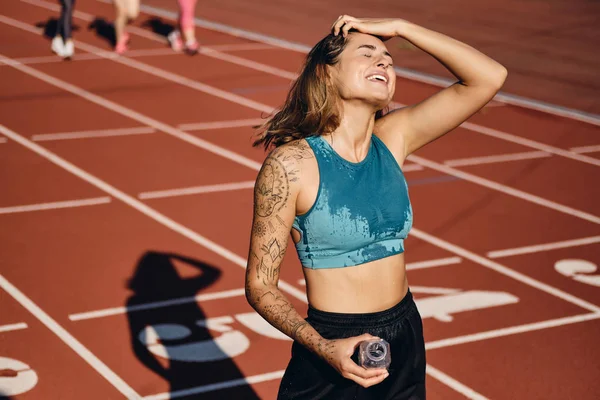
(364, 71)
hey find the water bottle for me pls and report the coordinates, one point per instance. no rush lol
(374, 354)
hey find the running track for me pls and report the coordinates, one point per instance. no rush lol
(125, 213)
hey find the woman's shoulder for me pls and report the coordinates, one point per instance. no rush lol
(293, 162)
(294, 152)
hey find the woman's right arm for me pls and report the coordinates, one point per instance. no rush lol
(275, 192)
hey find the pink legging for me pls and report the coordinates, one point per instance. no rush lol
(186, 13)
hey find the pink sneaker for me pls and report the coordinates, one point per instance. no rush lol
(121, 46)
(192, 47)
(175, 41)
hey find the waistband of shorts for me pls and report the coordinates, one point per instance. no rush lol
(350, 320)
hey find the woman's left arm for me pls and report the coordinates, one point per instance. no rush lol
(479, 79)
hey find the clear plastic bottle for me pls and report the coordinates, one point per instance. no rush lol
(374, 354)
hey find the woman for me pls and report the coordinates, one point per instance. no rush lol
(334, 180)
(186, 25)
(126, 11)
(62, 43)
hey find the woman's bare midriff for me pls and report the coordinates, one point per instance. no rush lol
(371, 287)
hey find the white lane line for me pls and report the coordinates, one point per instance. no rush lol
(513, 330)
(249, 63)
(55, 205)
(548, 108)
(433, 263)
(505, 189)
(494, 266)
(461, 162)
(91, 57)
(69, 340)
(13, 327)
(135, 53)
(240, 47)
(142, 130)
(141, 207)
(3, 140)
(585, 149)
(271, 376)
(530, 143)
(107, 312)
(201, 126)
(454, 384)
(543, 247)
(224, 187)
(433, 290)
(187, 137)
(502, 97)
(412, 167)
(39, 60)
(527, 155)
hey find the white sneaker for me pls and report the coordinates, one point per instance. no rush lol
(69, 49)
(58, 46)
(175, 41)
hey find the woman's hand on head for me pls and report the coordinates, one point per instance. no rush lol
(338, 353)
(385, 28)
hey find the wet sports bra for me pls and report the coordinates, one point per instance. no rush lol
(362, 211)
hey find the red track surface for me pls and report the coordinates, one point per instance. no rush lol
(129, 254)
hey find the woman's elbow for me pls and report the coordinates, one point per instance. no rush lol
(498, 77)
(252, 295)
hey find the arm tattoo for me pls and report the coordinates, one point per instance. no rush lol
(270, 231)
(272, 188)
(259, 229)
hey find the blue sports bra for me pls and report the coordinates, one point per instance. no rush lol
(362, 211)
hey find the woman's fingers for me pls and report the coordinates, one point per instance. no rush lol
(335, 22)
(351, 368)
(367, 382)
(340, 22)
(347, 26)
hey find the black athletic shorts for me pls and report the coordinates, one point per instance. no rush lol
(309, 377)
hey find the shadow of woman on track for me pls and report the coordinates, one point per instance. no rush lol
(168, 338)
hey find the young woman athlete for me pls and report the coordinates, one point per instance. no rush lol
(334, 181)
